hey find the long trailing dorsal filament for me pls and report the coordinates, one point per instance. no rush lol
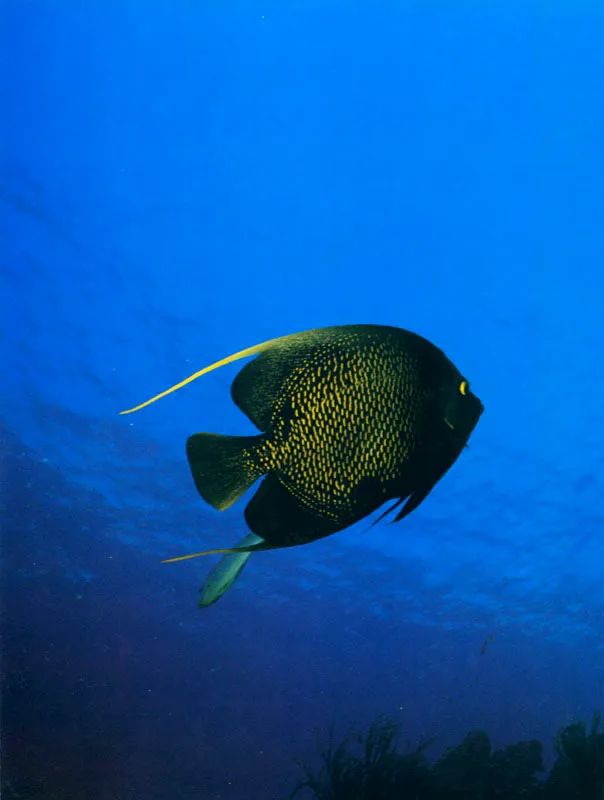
(250, 351)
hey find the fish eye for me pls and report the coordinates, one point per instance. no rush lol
(464, 387)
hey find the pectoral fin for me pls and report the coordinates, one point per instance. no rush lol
(240, 548)
(225, 573)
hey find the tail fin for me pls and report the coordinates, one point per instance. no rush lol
(221, 466)
(225, 573)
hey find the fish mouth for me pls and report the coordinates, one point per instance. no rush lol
(472, 420)
(478, 408)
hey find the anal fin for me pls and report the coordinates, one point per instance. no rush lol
(280, 518)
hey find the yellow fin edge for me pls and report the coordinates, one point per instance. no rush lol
(250, 351)
(196, 555)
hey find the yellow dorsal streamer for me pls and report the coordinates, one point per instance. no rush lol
(251, 351)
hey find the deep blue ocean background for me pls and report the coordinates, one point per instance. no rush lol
(182, 180)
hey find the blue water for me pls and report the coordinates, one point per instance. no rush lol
(183, 180)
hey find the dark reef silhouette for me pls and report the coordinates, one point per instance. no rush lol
(369, 766)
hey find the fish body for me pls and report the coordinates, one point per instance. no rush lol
(349, 417)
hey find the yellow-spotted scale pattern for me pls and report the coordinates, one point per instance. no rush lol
(347, 411)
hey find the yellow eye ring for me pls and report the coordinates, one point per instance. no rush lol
(464, 388)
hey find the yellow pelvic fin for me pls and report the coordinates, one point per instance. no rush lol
(196, 555)
(250, 351)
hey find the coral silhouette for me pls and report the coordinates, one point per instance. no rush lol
(369, 766)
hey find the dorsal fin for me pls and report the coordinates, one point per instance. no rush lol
(258, 385)
(256, 388)
(277, 370)
(250, 351)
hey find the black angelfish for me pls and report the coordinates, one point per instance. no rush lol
(350, 417)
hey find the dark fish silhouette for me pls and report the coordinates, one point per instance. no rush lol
(350, 417)
(486, 643)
